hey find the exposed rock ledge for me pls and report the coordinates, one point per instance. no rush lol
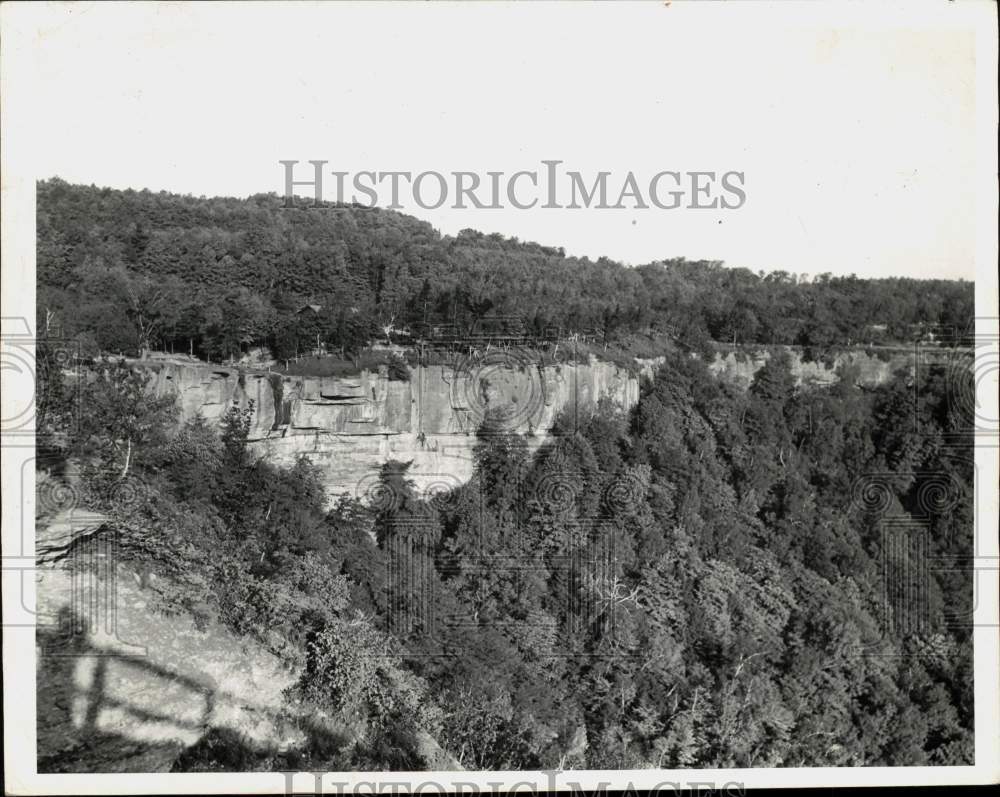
(125, 688)
(349, 427)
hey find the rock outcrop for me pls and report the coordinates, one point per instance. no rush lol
(874, 367)
(350, 426)
(123, 687)
(871, 369)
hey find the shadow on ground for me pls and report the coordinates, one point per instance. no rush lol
(72, 693)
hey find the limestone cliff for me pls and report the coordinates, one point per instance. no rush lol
(349, 427)
(873, 369)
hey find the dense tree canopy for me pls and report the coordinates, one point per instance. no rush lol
(716, 579)
(127, 270)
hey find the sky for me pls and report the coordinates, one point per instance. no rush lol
(858, 137)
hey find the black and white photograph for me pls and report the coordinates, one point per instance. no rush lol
(455, 396)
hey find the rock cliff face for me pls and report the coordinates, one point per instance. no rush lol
(872, 370)
(349, 427)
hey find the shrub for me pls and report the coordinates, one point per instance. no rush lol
(354, 670)
(399, 371)
(344, 670)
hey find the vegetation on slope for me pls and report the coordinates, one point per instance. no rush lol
(123, 270)
(708, 581)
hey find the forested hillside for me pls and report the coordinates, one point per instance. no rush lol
(717, 579)
(125, 270)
